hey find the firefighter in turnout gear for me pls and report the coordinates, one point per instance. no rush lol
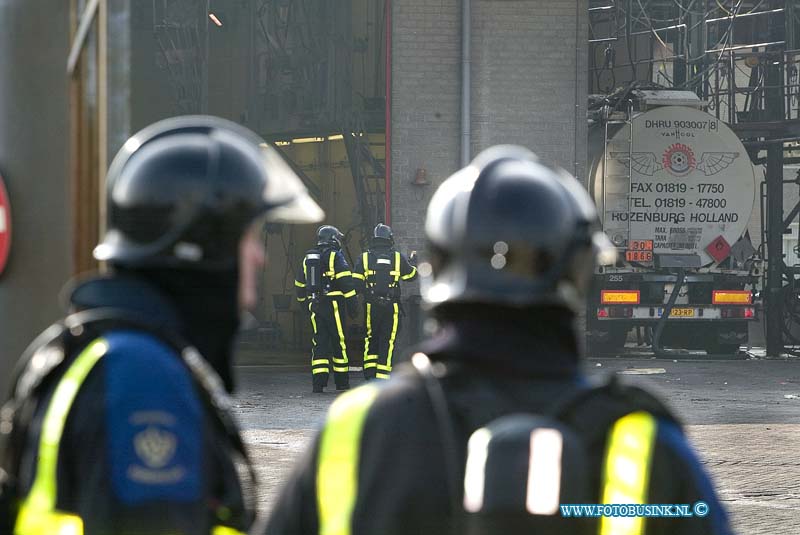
(325, 285)
(492, 425)
(380, 270)
(118, 421)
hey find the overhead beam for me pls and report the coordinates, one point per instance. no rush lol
(788, 128)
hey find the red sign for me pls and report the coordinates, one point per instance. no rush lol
(5, 226)
(719, 249)
(639, 256)
(640, 245)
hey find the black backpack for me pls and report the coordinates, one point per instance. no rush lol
(47, 359)
(313, 271)
(382, 283)
(582, 419)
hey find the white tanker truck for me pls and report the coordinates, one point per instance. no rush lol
(675, 189)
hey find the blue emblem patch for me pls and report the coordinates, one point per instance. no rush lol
(154, 421)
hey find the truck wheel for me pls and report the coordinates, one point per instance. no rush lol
(727, 339)
(718, 348)
(609, 344)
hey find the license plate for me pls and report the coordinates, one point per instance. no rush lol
(679, 312)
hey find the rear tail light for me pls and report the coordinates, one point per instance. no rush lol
(738, 312)
(615, 312)
(621, 312)
(731, 297)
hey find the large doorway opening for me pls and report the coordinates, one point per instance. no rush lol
(309, 76)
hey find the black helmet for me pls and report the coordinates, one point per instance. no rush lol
(383, 233)
(507, 230)
(329, 235)
(182, 192)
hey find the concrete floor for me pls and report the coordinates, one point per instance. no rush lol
(743, 416)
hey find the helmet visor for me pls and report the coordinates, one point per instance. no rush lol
(285, 193)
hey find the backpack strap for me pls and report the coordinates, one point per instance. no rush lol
(365, 262)
(396, 272)
(619, 423)
(45, 357)
(430, 376)
(594, 412)
(594, 409)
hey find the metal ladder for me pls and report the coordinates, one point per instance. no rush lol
(625, 156)
(368, 173)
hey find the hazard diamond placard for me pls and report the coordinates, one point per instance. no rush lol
(719, 249)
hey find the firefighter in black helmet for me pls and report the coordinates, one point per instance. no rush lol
(118, 421)
(380, 270)
(492, 426)
(325, 285)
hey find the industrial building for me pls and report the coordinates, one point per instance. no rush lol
(374, 102)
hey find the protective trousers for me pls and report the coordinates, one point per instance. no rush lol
(328, 343)
(382, 322)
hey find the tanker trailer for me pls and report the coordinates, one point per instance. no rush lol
(675, 190)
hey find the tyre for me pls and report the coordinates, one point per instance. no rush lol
(719, 348)
(608, 342)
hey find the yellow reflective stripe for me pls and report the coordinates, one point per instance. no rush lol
(380, 375)
(396, 272)
(350, 294)
(320, 362)
(370, 365)
(337, 465)
(299, 284)
(629, 452)
(31, 522)
(305, 270)
(358, 276)
(313, 324)
(334, 293)
(341, 369)
(365, 261)
(369, 333)
(371, 357)
(225, 530)
(395, 320)
(301, 299)
(315, 371)
(410, 274)
(339, 361)
(343, 274)
(341, 331)
(383, 368)
(331, 260)
(38, 515)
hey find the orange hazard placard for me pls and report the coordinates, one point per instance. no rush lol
(5, 226)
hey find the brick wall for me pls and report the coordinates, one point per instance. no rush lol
(426, 89)
(526, 89)
(525, 81)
